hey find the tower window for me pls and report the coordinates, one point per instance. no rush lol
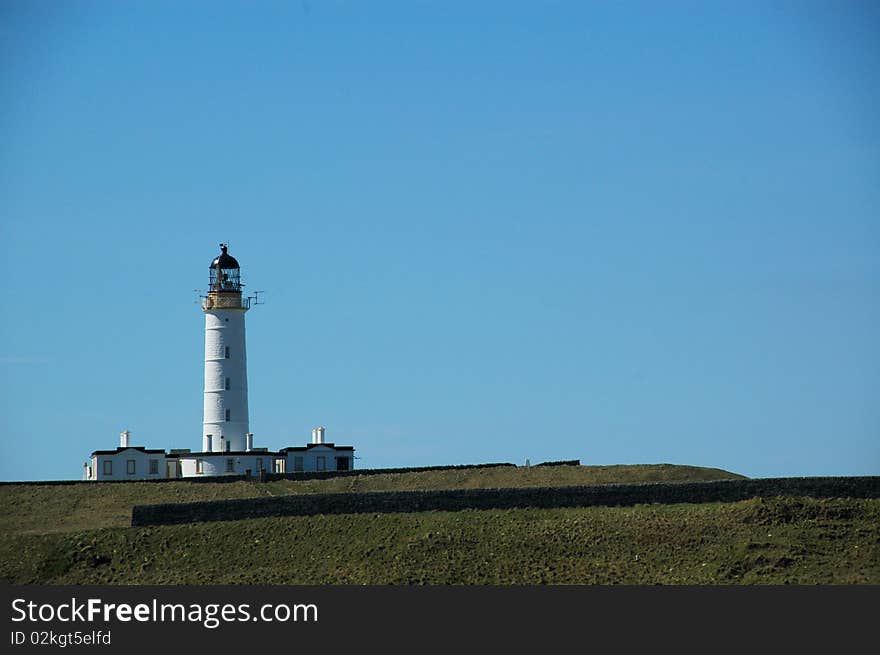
(226, 351)
(228, 414)
(227, 384)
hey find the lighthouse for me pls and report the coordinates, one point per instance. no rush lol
(227, 444)
(225, 426)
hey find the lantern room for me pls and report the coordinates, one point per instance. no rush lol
(225, 273)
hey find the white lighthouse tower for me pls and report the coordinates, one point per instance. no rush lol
(227, 444)
(225, 426)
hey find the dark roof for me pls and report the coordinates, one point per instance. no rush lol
(223, 453)
(226, 453)
(224, 260)
(142, 449)
(315, 445)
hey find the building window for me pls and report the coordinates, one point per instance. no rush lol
(108, 467)
(154, 467)
(226, 351)
(259, 463)
(230, 464)
(298, 463)
(200, 466)
(228, 414)
(321, 463)
(130, 466)
(227, 384)
(342, 463)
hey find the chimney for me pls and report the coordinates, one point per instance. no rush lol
(320, 432)
(123, 438)
(249, 441)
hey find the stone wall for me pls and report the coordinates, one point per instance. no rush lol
(542, 497)
(300, 475)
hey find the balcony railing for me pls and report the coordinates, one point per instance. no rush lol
(225, 302)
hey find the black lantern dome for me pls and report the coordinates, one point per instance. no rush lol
(225, 272)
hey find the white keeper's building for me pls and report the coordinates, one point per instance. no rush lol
(227, 444)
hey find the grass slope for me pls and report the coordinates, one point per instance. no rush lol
(36, 509)
(79, 534)
(781, 540)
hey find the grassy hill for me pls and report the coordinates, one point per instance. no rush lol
(79, 535)
(37, 509)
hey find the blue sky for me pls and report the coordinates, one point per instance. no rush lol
(486, 231)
